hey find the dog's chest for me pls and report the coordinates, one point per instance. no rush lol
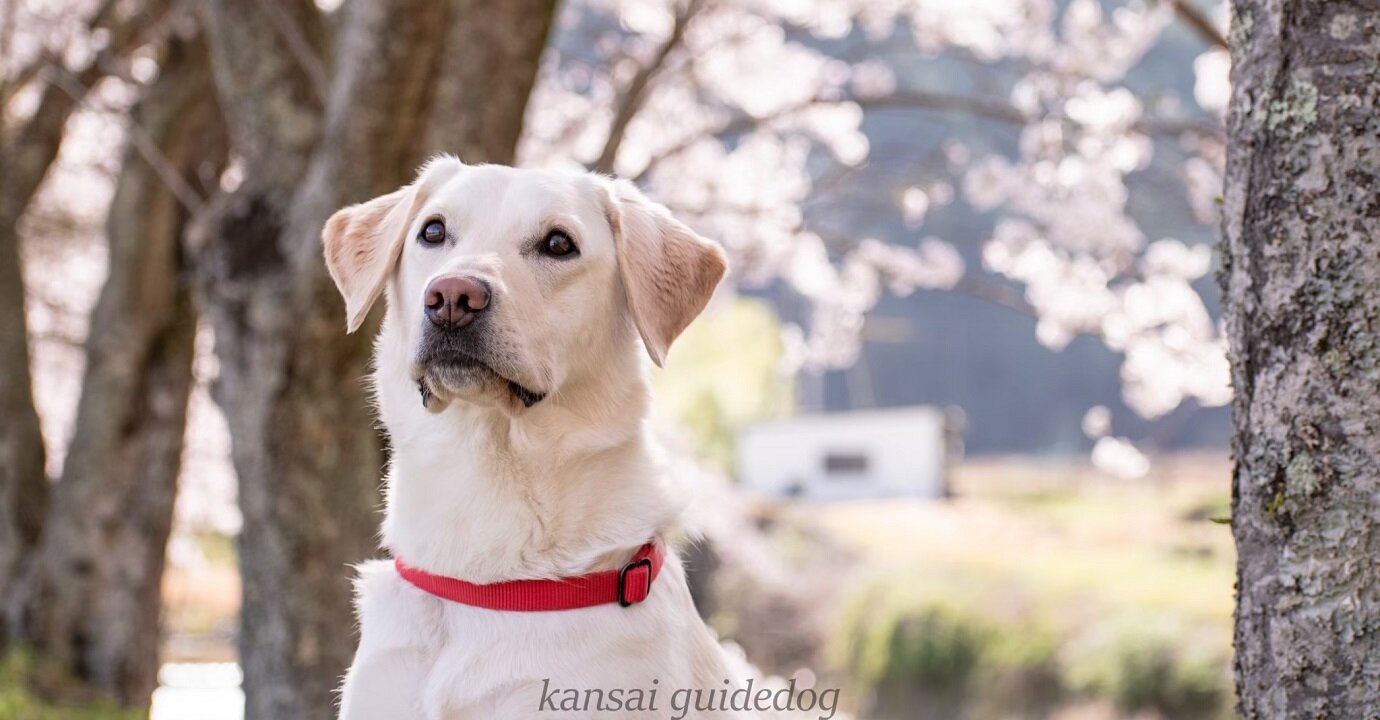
(452, 661)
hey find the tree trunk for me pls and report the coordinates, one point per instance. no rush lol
(25, 156)
(24, 162)
(1301, 279)
(23, 484)
(409, 79)
(90, 596)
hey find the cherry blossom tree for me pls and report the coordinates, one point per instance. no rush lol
(739, 115)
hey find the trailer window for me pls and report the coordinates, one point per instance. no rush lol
(845, 464)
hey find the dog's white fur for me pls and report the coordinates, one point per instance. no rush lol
(484, 488)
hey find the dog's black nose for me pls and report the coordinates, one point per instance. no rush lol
(452, 301)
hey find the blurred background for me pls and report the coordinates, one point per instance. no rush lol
(958, 410)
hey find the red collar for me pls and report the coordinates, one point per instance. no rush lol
(626, 586)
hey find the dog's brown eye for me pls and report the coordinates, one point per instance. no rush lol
(558, 244)
(433, 233)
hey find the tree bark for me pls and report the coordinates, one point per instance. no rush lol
(89, 597)
(23, 482)
(1301, 280)
(409, 79)
(24, 161)
(25, 156)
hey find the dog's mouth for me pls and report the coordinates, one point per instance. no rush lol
(474, 364)
(528, 398)
(459, 374)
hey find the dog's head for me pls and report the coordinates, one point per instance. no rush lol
(505, 284)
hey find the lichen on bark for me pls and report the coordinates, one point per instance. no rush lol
(1301, 285)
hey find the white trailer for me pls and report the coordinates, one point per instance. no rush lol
(838, 456)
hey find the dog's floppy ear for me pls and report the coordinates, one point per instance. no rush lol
(362, 243)
(669, 272)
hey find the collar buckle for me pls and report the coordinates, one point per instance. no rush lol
(640, 571)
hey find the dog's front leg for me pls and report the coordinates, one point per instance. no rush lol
(384, 686)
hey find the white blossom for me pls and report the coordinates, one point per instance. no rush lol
(1212, 84)
(914, 204)
(1120, 458)
(1097, 421)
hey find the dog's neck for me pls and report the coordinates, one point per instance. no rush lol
(567, 486)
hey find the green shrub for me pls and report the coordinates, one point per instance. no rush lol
(17, 702)
(937, 648)
(1142, 664)
(885, 637)
(1021, 673)
(907, 651)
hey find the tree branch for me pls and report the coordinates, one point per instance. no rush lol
(735, 126)
(1202, 127)
(636, 92)
(144, 144)
(298, 46)
(25, 75)
(994, 292)
(1003, 295)
(7, 23)
(743, 123)
(1200, 23)
(262, 86)
(34, 145)
(977, 106)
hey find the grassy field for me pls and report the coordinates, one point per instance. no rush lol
(1092, 597)
(1083, 540)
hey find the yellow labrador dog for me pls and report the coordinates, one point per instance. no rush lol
(527, 504)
